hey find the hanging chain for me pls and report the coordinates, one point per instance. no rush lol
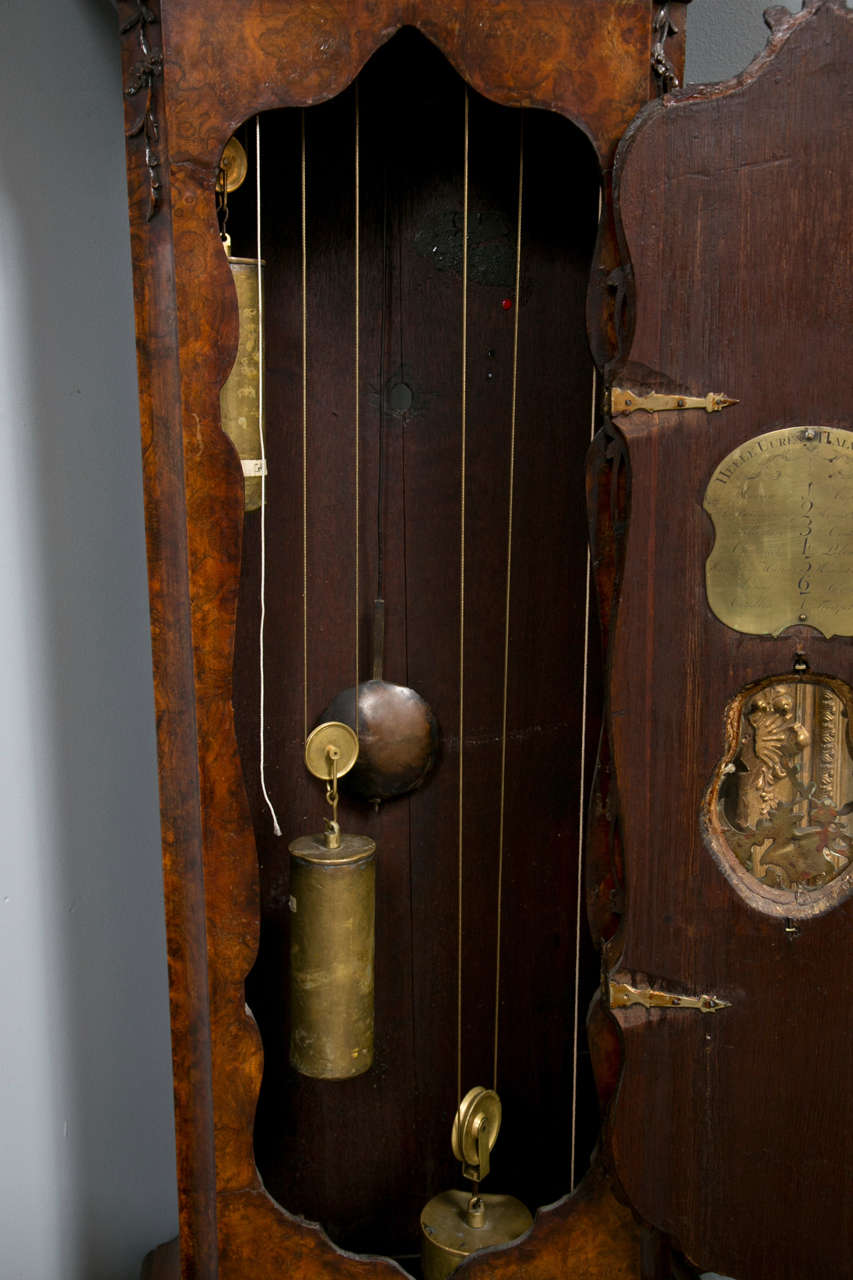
(222, 210)
(662, 66)
(333, 830)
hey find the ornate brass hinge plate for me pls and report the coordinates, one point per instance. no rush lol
(622, 996)
(624, 401)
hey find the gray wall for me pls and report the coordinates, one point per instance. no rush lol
(87, 1165)
(724, 35)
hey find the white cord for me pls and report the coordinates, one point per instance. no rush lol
(275, 826)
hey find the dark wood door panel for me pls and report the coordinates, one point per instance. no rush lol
(729, 1129)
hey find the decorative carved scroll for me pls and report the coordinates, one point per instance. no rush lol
(662, 66)
(143, 75)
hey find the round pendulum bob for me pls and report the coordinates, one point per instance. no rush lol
(456, 1224)
(398, 738)
(332, 881)
(397, 731)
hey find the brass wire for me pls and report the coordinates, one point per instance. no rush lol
(357, 215)
(357, 397)
(510, 506)
(464, 425)
(582, 799)
(304, 251)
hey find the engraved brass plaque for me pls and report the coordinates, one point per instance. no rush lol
(782, 507)
(785, 799)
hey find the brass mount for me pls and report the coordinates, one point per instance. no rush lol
(331, 750)
(622, 995)
(233, 166)
(624, 401)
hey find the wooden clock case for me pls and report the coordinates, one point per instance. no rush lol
(739, 191)
(361, 1157)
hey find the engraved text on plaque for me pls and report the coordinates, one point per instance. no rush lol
(782, 507)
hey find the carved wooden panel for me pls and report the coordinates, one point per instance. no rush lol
(731, 1131)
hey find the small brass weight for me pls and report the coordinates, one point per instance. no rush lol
(332, 895)
(456, 1224)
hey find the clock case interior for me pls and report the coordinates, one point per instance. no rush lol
(392, 1124)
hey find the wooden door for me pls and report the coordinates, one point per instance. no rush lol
(732, 1127)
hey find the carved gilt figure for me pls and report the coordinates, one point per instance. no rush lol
(783, 800)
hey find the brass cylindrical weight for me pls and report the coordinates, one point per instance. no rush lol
(239, 399)
(332, 894)
(456, 1224)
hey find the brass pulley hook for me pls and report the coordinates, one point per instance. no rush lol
(332, 828)
(331, 750)
(456, 1224)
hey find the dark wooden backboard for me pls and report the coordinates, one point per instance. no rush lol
(731, 1132)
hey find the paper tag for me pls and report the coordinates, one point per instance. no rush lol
(254, 467)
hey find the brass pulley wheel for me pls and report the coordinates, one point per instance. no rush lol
(331, 741)
(479, 1114)
(233, 166)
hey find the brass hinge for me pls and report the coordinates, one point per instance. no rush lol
(622, 995)
(623, 401)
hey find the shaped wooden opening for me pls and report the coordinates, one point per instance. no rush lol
(362, 1156)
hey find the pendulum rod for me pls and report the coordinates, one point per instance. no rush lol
(383, 342)
(397, 731)
(464, 430)
(263, 460)
(508, 597)
(582, 799)
(304, 270)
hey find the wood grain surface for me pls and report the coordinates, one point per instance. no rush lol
(731, 1132)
